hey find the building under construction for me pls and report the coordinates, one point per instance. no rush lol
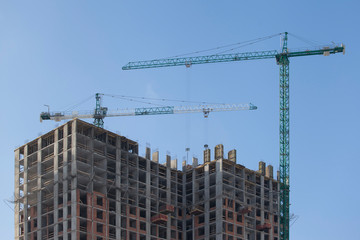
(84, 182)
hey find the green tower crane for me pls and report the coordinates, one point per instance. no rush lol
(282, 59)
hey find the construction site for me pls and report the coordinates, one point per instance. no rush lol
(82, 182)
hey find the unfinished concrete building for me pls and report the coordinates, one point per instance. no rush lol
(83, 182)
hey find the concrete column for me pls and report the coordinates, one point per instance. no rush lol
(168, 194)
(90, 186)
(193, 200)
(147, 153)
(167, 162)
(118, 187)
(207, 156)
(148, 199)
(262, 194)
(155, 156)
(206, 197)
(39, 193)
(174, 164)
(262, 167)
(106, 232)
(195, 162)
(271, 218)
(26, 165)
(219, 151)
(65, 181)
(25, 199)
(56, 182)
(184, 204)
(73, 181)
(244, 190)
(219, 205)
(232, 155)
(269, 172)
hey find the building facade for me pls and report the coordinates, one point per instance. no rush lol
(84, 182)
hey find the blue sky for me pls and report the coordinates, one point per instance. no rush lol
(61, 52)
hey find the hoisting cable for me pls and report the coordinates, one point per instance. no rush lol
(250, 43)
(134, 100)
(78, 104)
(243, 44)
(307, 41)
(159, 99)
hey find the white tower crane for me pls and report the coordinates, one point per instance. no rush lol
(101, 112)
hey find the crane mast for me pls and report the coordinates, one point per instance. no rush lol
(282, 59)
(284, 203)
(100, 112)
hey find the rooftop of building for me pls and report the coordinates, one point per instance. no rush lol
(185, 167)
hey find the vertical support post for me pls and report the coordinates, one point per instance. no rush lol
(40, 194)
(168, 193)
(284, 143)
(118, 188)
(74, 180)
(66, 165)
(219, 199)
(56, 183)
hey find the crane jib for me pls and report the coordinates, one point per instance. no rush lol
(188, 61)
(154, 110)
(200, 60)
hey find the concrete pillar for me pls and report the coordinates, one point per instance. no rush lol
(73, 180)
(147, 153)
(174, 164)
(206, 197)
(184, 204)
(262, 166)
(39, 193)
(65, 181)
(168, 161)
(148, 199)
(269, 172)
(168, 194)
(232, 155)
(271, 218)
(155, 156)
(118, 187)
(262, 202)
(219, 151)
(243, 187)
(26, 163)
(219, 205)
(207, 156)
(184, 166)
(56, 182)
(195, 162)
